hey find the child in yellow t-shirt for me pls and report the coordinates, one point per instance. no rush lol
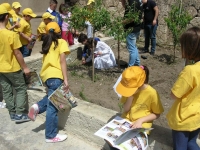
(13, 23)
(25, 31)
(53, 74)
(41, 30)
(141, 102)
(184, 115)
(11, 75)
(16, 7)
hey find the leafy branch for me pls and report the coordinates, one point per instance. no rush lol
(177, 21)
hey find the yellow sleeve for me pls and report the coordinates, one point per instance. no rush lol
(28, 30)
(22, 27)
(64, 47)
(16, 42)
(182, 84)
(41, 28)
(156, 104)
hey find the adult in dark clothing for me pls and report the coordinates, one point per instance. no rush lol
(150, 24)
(132, 5)
(52, 11)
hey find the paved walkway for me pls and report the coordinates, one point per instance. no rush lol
(30, 136)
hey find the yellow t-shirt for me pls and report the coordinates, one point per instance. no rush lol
(41, 30)
(184, 114)
(145, 102)
(12, 19)
(25, 27)
(19, 16)
(9, 41)
(51, 67)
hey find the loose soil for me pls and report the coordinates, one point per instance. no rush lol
(163, 74)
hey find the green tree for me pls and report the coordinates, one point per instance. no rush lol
(177, 21)
(98, 16)
(116, 27)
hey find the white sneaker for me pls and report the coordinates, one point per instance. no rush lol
(58, 138)
(33, 111)
(2, 105)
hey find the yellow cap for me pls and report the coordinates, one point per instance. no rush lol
(47, 15)
(3, 10)
(52, 27)
(132, 78)
(7, 6)
(28, 11)
(16, 5)
(90, 1)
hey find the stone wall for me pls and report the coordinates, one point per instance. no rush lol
(192, 6)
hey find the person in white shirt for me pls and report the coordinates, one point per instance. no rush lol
(104, 56)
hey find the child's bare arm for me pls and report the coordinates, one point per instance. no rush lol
(25, 36)
(128, 104)
(21, 62)
(173, 96)
(138, 123)
(64, 70)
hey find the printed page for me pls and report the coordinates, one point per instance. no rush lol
(135, 142)
(114, 87)
(32, 43)
(112, 130)
(33, 81)
(61, 100)
(120, 135)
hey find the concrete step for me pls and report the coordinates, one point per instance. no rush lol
(30, 136)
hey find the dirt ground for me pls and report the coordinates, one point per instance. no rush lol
(163, 74)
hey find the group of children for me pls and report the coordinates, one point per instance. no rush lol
(141, 102)
(14, 39)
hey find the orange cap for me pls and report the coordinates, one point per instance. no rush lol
(52, 27)
(132, 78)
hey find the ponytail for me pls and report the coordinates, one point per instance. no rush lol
(147, 73)
(48, 39)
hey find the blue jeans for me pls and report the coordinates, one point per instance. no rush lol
(150, 33)
(25, 51)
(185, 140)
(51, 126)
(89, 29)
(132, 48)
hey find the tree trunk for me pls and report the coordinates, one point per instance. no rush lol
(118, 46)
(174, 53)
(93, 57)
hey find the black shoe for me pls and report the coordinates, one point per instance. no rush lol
(144, 51)
(12, 117)
(152, 53)
(143, 57)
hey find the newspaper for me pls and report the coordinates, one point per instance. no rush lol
(61, 100)
(120, 135)
(115, 86)
(32, 43)
(33, 81)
